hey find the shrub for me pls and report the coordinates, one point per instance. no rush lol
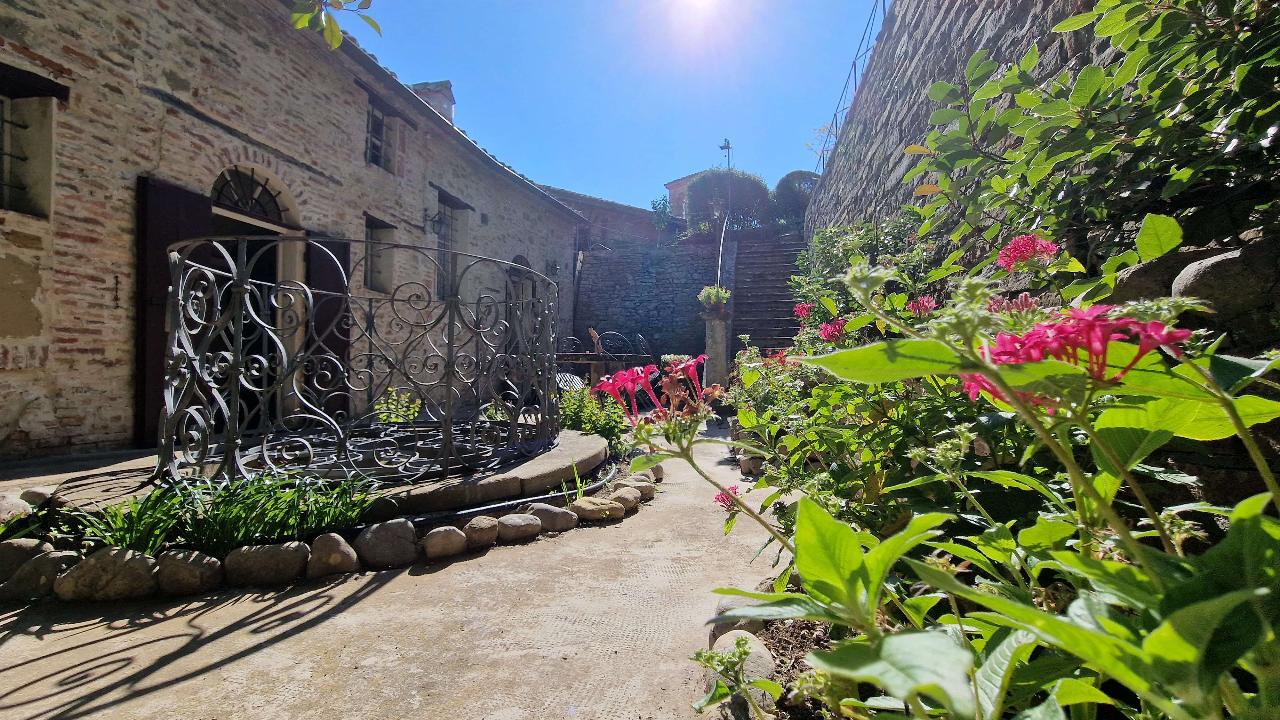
(581, 410)
(714, 297)
(713, 193)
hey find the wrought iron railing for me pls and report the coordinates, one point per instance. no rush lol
(344, 357)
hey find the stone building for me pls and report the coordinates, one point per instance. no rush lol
(128, 126)
(921, 42)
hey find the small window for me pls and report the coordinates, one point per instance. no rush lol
(377, 148)
(27, 103)
(379, 255)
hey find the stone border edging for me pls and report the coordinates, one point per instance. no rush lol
(32, 569)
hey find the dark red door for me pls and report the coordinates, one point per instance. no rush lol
(166, 214)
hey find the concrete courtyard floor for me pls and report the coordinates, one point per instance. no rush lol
(597, 623)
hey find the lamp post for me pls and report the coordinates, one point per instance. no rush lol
(727, 147)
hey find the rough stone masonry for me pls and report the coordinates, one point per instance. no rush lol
(181, 92)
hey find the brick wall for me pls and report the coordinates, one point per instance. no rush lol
(180, 91)
(920, 42)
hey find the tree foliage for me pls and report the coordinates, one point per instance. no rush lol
(791, 196)
(744, 197)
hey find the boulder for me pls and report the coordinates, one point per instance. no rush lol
(266, 564)
(15, 553)
(759, 665)
(36, 577)
(727, 603)
(443, 542)
(389, 544)
(554, 519)
(1154, 278)
(187, 572)
(644, 476)
(331, 554)
(647, 490)
(597, 508)
(481, 532)
(628, 497)
(518, 527)
(39, 495)
(12, 506)
(751, 464)
(1235, 282)
(109, 574)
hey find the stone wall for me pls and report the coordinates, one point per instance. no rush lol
(651, 289)
(179, 92)
(608, 221)
(921, 42)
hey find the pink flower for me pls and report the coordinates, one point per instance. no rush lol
(923, 305)
(725, 499)
(832, 331)
(1026, 249)
(1079, 337)
(1023, 303)
(804, 309)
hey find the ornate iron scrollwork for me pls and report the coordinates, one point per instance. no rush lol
(280, 360)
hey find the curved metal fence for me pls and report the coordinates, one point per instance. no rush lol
(339, 357)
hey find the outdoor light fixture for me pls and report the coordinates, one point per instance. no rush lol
(437, 221)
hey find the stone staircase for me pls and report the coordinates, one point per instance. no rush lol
(763, 306)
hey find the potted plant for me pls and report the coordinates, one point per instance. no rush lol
(715, 298)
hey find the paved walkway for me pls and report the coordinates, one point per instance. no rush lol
(596, 624)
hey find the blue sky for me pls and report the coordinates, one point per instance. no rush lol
(616, 97)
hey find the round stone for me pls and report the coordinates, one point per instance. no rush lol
(481, 532)
(443, 542)
(518, 527)
(331, 554)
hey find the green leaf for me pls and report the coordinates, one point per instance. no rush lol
(1122, 583)
(1047, 710)
(943, 92)
(996, 670)
(372, 23)
(332, 33)
(718, 694)
(880, 559)
(792, 607)
(917, 608)
(828, 555)
(907, 665)
(1075, 22)
(945, 116)
(644, 462)
(1178, 645)
(890, 361)
(830, 305)
(1159, 234)
(1088, 82)
(773, 689)
(1073, 691)
(1008, 478)
(1121, 660)
(1045, 534)
(1194, 419)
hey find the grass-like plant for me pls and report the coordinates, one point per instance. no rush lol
(143, 524)
(267, 507)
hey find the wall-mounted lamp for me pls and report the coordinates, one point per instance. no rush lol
(553, 268)
(436, 221)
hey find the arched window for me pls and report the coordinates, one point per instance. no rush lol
(245, 191)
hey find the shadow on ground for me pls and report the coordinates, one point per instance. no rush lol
(66, 684)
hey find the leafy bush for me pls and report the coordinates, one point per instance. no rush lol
(581, 410)
(394, 406)
(716, 192)
(791, 197)
(975, 488)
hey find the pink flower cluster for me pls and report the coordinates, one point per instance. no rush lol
(725, 499)
(629, 381)
(1023, 303)
(832, 331)
(632, 380)
(923, 305)
(804, 309)
(1026, 249)
(1077, 337)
